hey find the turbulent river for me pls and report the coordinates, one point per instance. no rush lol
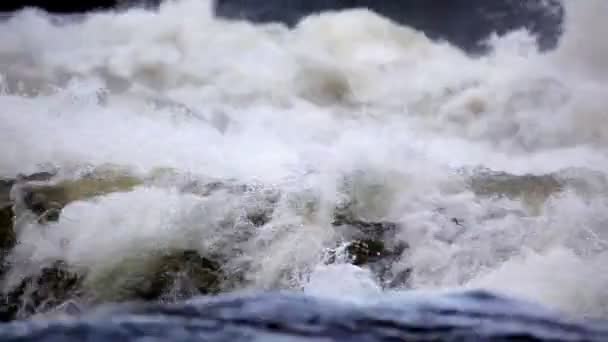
(161, 155)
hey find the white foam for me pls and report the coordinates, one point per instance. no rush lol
(344, 282)
(342, 92)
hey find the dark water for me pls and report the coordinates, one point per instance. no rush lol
(465, 23)
(462, 22)
(473, 316)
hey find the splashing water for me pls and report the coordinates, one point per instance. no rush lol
(343, 95)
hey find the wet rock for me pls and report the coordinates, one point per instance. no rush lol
(51, 287)
(182, 274)
(36, 177)
(514, 186)
(370, 233)
(372, 244)
(170, 276)
(6, 215)
(7, 231)
(46, 209)
(5, 191)
(259, 218)
(362, 252)
(375, 230)
(47, 199)
(379, 258)
(8, 237)
(532, 190)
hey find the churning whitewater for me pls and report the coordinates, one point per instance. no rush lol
(273, 154)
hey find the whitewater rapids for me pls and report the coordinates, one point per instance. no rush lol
(341, 94)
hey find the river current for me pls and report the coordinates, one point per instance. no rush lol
(244, 143)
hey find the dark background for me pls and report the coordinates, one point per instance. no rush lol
(57, 6)
(462, 22)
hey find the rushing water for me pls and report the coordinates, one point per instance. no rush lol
(475, 317)
(345, 107)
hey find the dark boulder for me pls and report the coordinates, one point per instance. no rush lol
(7, 217)
(371, 229)
(51, 287)
(5, 191)
(371, 244)
(8, 238)
(180, 275)
(364, 252)
(491, 183)
(165, 276)
(379, 259)
(172, 276)
(7, 234)
(532, 190)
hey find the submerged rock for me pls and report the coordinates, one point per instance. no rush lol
(515, 186)
(40, 204)
(7, 234)
(51, 287)
(370, 229)
(42, 176)
(46, 199)
(182, 274)
(160, 275)
(532, 190)
(379, 258)
(371, 244)
(5, 190)
(8, 238)
(365, 251)
(168, 276)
